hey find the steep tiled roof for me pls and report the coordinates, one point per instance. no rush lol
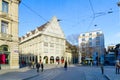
(28, 34)
(42, 27)
(33, 31)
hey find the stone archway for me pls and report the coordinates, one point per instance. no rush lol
(62, 60)
(40, 59)
(51, 60)
(45, 59)
(57, 59)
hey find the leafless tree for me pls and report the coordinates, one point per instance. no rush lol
(73, 39)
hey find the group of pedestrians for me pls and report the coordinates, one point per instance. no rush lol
(38, 65)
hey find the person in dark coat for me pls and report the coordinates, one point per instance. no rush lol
(37, 66)
(65, 65)
(42, 66)
(102, 68)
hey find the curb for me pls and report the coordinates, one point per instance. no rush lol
(107, 77)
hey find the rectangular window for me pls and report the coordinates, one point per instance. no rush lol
(51, 45)
(90, 44)
(90, 34)
(4, 27)
(98, 43)
(97, 33)
(90, 39)
(83, 34)
(45, 44)
(97, 38)
(45, 50)
(83, 39)
(4, 6)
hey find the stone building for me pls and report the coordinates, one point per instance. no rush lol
(44, 44)
(71, 53)
(9, 34)
(68, 52)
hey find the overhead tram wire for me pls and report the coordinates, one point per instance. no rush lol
(34, 12)
(93, 14)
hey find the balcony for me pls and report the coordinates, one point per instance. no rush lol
(4, 36)
(5, 15)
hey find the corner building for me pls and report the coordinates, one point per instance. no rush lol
(44, 44)
(9, 57)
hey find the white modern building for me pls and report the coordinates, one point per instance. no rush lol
(91, 46)
(44, 44)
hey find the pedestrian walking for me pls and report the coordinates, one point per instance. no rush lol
(65, 65)
(117, 65)
(42, 67)
(37, 66)
(102, 68)
(33, 63)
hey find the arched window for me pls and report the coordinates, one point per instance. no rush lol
(4, 48)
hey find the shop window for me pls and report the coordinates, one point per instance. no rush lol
(4, 58)
(4, 54)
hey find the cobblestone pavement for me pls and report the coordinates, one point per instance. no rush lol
(110, 73)
(73, 73)
(57, 72)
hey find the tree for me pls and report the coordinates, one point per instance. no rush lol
(73, 39)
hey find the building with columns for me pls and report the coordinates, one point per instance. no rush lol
(9, 57)
(91, 46)
(44, 44)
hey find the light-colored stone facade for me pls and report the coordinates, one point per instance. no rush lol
(44, 44)
(91, 46)
(9, 56)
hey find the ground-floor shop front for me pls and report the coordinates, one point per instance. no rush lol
(29, 58)
(9, 56)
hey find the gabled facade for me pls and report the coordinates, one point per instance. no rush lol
(9, 34)
(44, 44)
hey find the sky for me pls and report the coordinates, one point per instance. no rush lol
(77, 16)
